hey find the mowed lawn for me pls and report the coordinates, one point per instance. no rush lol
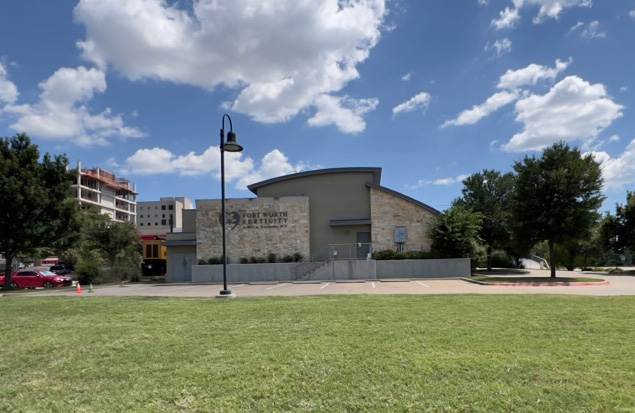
(325, 353)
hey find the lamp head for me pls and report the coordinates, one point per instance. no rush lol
(231, 145)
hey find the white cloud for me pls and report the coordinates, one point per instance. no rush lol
(618, 172)
(407, 76)
(500, 46)
(244, 171)
(281, 56)
(624, 89)
(511, 82)
(547, 9)
(61, 113)
(441, 181)
(572, 110)
(531, 75)
(419, 101)
(592, 32)
(478, 112)
(344, 112)
(507, 19)
(614, 138)
(8, 90)
(483, 2)
(576, 27)
(631, 13)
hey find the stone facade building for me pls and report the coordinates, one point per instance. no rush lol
(343, 210)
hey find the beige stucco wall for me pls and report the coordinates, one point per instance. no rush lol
(389, 211)
(255, 227)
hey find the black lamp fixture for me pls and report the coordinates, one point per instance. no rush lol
(226, 146)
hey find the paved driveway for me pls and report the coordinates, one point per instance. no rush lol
(619, 285)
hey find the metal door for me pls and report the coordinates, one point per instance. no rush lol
(363, 245)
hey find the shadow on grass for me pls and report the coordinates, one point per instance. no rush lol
(500, 272)
(536, 280)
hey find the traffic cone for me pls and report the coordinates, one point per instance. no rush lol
(90, 289)
(79, 288)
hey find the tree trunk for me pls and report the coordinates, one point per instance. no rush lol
(490, 250)
(552, 258)
(8, 270)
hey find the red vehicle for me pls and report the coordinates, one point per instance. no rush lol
(36, 278)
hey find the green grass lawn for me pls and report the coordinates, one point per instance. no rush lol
(324, 353)
(524, 280)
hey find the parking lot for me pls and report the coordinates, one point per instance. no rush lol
(618, 285)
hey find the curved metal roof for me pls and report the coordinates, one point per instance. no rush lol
(375, 171)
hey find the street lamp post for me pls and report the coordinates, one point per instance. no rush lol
(226, 146)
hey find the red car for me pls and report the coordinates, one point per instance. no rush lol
(36, 278)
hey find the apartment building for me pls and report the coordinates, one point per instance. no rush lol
(155, 217)
(116, 197)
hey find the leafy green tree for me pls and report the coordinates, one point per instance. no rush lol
(557, 197)
(490, 193)
(454, 234)
(626, 216)
(35, 211)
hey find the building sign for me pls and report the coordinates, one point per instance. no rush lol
(256, 220)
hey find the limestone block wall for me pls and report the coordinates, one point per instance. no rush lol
(389, 211)
(255, 227)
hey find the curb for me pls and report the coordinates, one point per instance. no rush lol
(538, 284)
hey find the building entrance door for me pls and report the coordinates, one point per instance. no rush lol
(363, 245)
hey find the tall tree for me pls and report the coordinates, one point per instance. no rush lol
(35, 210)
(490, 193)
(557, 197)
(454, 234)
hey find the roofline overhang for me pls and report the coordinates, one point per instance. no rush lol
(375, 171)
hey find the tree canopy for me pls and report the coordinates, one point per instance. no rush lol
(455, 234)
(35, 210)
(490, 194)
(557, 197)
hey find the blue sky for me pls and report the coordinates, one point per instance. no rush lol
(430, 91)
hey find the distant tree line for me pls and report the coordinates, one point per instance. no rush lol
(548, 207)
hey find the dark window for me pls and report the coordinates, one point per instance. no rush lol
(171, 207)
(149, 251)
(163, 222)
(140, 216)
(156, 223)
(141, 224)
(163, 207)
(25, 273)
(155, 251)
(163, 216)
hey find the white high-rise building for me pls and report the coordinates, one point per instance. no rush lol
(154, 217)
(116, 197)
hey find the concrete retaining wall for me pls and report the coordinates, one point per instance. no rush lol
(438, 268)
(242, 273)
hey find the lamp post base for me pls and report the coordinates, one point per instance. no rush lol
(226, 294)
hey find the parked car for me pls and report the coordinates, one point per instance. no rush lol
(60, 269)
(36, 278)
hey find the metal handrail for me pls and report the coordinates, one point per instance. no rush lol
(328, 254)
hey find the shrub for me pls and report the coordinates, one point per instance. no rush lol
(501, 260)
(202, 262)
(261, 260)
(297, 257)
(271, 257)
(385, 255)
(214, 261)
(253, 260)
(244, 260)
(288, 258)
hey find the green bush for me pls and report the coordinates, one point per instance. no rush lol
(202, 262)
(253, 260)
(297, 257)
(244, 260)
(288, 258)
(385, 255)
(501, 260)
(214, 261)
(261, 260)
(271, 257)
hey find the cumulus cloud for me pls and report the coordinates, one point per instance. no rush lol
(500, 47)
(62, 114)
(618, 172)
(511, 82)
(592, 31)
(8, 90)
(531, 75)
(243, 171)
(478, 112)
(344, 112)
(419, 101)
(280, 56)
(547, 9)
(572, 110)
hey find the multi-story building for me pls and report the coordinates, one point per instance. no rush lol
(158, 217)
(116, 197)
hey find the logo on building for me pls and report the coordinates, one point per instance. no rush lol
(232, 219)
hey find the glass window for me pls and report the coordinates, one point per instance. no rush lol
(156, 223)
(163, 216)
(171, 207)
(141, 223)
(163, 207)
(149, 251)
(155, 251)
(163, 222)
